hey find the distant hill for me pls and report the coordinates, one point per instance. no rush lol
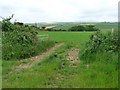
(67, 25)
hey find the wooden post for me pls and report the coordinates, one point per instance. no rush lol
(112, 31)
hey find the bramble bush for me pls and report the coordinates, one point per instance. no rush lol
(21, 41)
(100, 43)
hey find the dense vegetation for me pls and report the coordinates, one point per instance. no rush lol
(100, 43)
(101, 55)
(20, 41)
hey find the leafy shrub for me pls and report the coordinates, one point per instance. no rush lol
(100, 43)
(20, 41)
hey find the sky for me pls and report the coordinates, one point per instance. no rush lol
(34, 11)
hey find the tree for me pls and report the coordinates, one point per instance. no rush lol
(43, 27)
(91, 28)
(77, 28)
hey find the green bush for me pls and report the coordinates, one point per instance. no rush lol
(100, 43)
(21, 41)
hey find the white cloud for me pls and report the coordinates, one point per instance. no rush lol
(60, 10)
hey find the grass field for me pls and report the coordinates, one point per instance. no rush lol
(56, 72)
(81, 37)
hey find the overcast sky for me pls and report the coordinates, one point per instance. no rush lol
(60, 10)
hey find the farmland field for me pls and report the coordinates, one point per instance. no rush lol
(68, 36)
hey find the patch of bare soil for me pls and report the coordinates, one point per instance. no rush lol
(73, 56)
(39, 58)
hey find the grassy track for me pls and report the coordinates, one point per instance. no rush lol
(56, 72)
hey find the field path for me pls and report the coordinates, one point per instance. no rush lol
(73, 56)
(39, 58)
(59, 77)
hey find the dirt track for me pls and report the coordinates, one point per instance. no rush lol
(41, 57)
(73, 56)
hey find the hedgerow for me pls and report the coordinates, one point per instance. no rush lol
(20, 41)
(83, 28)
(100, 43)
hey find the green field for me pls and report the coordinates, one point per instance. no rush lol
(81, 37)
(55, 71)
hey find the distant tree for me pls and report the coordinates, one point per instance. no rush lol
(77, 28)
(83, 28)
(91, 28)
(43, 27)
